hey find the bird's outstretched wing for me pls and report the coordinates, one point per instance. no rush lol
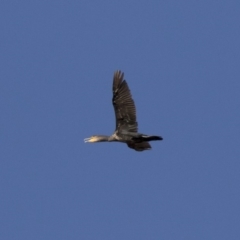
(124, 107)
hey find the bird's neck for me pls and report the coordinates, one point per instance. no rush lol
(103, 138)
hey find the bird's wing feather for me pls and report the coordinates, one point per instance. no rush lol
(124, 107)
(139, 146)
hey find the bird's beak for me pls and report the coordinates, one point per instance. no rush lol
(87, 140)
(91, 139)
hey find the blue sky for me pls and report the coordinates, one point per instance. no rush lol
(181, 60)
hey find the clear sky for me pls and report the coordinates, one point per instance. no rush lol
(181, 60)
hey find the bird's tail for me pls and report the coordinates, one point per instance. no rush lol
(151, 138)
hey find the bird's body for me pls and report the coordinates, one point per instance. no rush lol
(126, 123)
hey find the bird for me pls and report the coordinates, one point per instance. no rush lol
(126, 130)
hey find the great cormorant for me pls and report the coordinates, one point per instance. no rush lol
(126, 123)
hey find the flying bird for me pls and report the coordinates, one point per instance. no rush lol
(126, 130)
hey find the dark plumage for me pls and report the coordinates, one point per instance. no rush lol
(126, 123)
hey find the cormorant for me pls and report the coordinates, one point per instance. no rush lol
(126, 123)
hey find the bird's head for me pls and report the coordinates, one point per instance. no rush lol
(96, 138)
